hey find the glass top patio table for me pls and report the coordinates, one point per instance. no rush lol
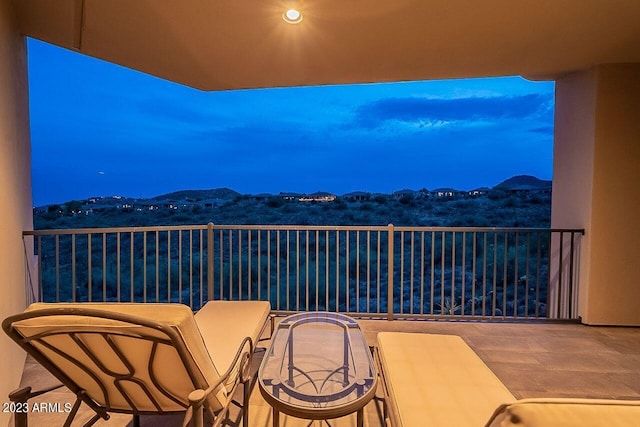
(318, 367)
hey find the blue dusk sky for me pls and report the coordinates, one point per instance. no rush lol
(100, 129)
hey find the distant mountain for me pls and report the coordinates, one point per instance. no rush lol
(216, 193)
(523, 181)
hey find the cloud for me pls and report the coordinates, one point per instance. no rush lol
(545, 130)
(474, 109)
(166, 109)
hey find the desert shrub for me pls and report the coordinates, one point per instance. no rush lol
(497, 194)
(275, 202)
(380, 199)
(512, 202)
(288, 209)
(408, 200)
(339, 204)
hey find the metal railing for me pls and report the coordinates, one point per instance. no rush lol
(368, 271)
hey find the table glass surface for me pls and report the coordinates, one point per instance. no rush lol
(317, 360)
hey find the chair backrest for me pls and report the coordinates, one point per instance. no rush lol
(127, 357)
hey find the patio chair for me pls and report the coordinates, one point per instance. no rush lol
(139, 358)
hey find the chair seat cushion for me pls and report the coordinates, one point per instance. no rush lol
(224, 324)
(556, 412)
(438, 380)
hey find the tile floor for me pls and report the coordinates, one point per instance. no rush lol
(532, 360)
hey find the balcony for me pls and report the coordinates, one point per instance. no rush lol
(512, 277)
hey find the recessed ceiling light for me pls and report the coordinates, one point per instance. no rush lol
(292, 16)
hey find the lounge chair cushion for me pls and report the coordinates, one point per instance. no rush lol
(556, 412)
(229, 322)
(168, 369)
(437, 380)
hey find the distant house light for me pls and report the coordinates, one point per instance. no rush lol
(292, 16)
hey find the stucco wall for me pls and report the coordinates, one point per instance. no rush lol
(615, 280)
(15, 190)
(597, 186)
(573, 163)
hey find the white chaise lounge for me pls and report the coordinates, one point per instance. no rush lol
(438, 380)
(144, 358)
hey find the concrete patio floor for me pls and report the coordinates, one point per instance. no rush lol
(532, 360)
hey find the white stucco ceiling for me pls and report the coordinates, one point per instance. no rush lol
(228, 44)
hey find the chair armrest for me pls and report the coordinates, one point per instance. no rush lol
(22, 395)
(198, 396)
(390, 416)
(242, 359)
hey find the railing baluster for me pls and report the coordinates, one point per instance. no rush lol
(326, 275)
(433, 272)
(422, 273)
(484, 276)
(537, 314)
(504, 276)
(249, 265)
(221, 263)
(169, 266)
(230, 265)
(453, 274)
(347, 268)
(495, 274)
(89, 267)
(40, 288)
(306, 271)
(73, 268)
(180, 266)
(157, 266)
(118, 267)
(144, 266)
(357, 271)
(201, 269)
(191, 269)
(379, 273)
(288, 280)
(297, 270)
(464, 271)
(390, 256)
(442, 272)
(516, 280)
(337, 270)
(317, 286)
(269, 264)
(278, 270)
(401, 272)
(473, 274)
(368, 271)
(526, 284)
(560, 276)
(259, 278)
(131, 268)
(239, 265)
(411, 260)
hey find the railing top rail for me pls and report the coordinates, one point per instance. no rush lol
(107, 230)
(297, 228)
(493, 229)
(303, 227)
